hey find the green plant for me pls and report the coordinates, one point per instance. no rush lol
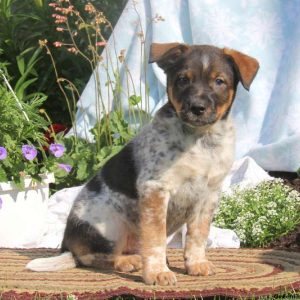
(112, 129)
(83, 35)
(22, 138)
(85, 158)
(23, 24)
(90, 26)
(261, 214)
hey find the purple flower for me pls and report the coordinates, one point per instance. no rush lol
(65, 167)
(29, 152)
(57, 150)
(1, 203)
(3, 153)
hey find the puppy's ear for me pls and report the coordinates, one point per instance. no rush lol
(165, 55)
(247, 66)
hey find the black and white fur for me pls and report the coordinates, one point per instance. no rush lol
(185, 163)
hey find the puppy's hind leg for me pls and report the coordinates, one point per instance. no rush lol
(92, 246)
(88, 244)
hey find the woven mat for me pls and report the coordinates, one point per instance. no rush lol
(244, 272)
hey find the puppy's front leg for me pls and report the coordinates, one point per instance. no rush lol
(153, 215)
(197, 232)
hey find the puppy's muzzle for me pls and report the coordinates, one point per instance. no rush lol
(199, 110)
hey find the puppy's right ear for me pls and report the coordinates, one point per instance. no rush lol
(165, 55)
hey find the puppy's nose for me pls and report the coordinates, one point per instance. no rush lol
(198, 109)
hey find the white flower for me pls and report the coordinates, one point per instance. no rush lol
(272, 204)
(294, 195)
(241, 234)
(256, 230)
(262, 219)
(284, 219)
(272, 212)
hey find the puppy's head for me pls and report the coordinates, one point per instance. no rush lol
(202, 80)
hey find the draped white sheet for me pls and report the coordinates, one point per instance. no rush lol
(267, 118)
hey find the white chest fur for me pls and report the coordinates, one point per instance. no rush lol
(204, 162)
(189, 166)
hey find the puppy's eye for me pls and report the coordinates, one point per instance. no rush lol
(182, 80)
(219, 81)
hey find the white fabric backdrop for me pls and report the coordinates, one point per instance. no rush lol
(267, 117)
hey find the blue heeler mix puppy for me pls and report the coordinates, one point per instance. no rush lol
(168, 175)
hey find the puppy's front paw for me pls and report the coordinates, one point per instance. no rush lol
(203, 268)
(160, 278)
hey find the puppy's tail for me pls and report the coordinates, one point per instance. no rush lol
(51, 264)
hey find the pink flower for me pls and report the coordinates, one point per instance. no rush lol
(52, 4)
(59, 29)
(57, 44)
(90, 8)
(59, 19)
(100, 44)
(67, 10)
(3, 153)
(73, 50)
(57, 150)
(67, 168)
(29, 152)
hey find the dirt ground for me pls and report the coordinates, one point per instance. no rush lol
(290, 179)
(292, 239)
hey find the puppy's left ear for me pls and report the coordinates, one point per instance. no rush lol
(166, 55)
(247, 66)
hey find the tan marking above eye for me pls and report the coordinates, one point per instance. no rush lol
(185, 75)
(190, 75)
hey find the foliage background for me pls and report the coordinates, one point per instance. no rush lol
(22, 25)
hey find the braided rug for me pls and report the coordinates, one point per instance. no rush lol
(240, 273)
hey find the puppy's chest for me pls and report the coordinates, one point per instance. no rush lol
(197, 168)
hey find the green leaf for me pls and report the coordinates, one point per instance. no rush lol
(134, 100)
(29, 66)
(38, 3)
(3, 177)
(60, 173)
(19, 182)
(21, 64)
(21, 89)
(116, 149)
(84, 26)
(82, 173)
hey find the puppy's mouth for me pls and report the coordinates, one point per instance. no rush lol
(198, 119)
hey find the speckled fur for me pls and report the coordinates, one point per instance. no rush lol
(167, 158)
(168, 175)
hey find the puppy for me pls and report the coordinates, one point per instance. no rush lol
(168, 175)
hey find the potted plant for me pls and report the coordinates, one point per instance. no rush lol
(27, 163)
